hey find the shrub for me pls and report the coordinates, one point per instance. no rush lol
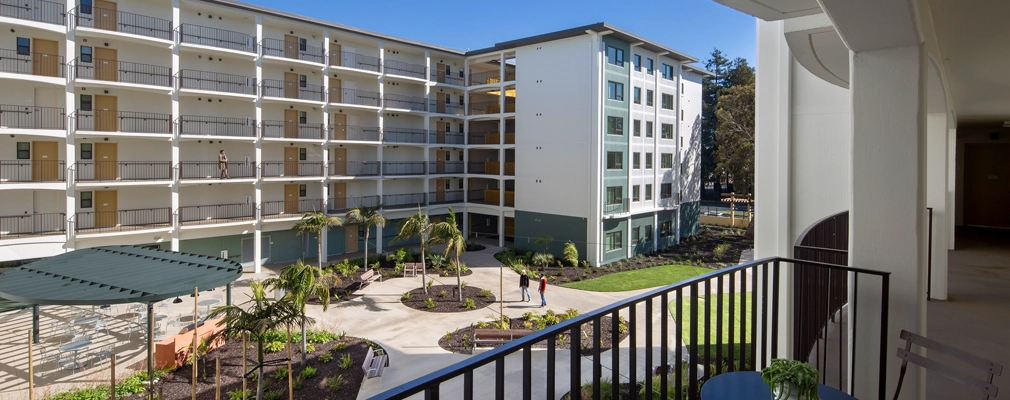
(309, 348)
(485, 293)
(448, 335)
(273, 347)
(398, 268)
(320, 337)
(326, 357)
(436, 261)
(340, 346)
(334, 383)
(469, 304)
(281, 374)
(296, 384)
(443, 293)
(405, 296)
(430, 303)
(462, 284)
(237, 394)
(430, 284)
(720, 251)
(274, 394)
(584, 264)
(571, 253)
(345, 362)
(542, 259)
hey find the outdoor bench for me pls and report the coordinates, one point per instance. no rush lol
(374, 364)
(370, 276)
(492, 337)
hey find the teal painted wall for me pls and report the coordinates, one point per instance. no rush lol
(664, 242)
(612, 225)
(690, 218)
(335, 241)
(616, 108)
(390, 231)
(212, 246)
(529, 225)
(643, 222)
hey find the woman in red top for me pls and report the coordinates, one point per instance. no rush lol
(543, 287)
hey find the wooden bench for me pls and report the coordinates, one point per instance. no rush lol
(492, 337)
(370, 276)
(412, 268)
(374, 364)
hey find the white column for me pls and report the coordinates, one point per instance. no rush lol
(655, 230)
(887, 218)
(177, 20)
(325, 189)
(427, 129)
(594, 227)
(936, 198)
(378, 185)
(501, 227)
(70, 148)
(258, 232)
(951, 181)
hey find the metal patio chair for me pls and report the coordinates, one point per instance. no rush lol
(906, 355)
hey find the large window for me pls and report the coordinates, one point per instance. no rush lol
(648, 233)
(615, 126)
(648, 66)
(666, 130)
(302, 190)
(615, 160)
(667, 72)
(86, 54)
(24, 150)
(638, 95)
(666, 160)
(635, 195)
(666, 229)
(303, 81)
(615, 56)
(86, 151)
(648, 97)
(614, 195)
(613, 241)
(648, 160)
(86, 200)
(668, 101)
(634, 235)
(638, 62)
(303, 154)
(303, 117)
(648, 192)
(665, 190)
(636, 160)
(24, 46)
(85, 102)
(616, 91)
(648, 128)
(636, 127)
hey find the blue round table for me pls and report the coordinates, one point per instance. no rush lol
(748, 385)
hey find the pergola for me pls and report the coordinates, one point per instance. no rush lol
(116, 275)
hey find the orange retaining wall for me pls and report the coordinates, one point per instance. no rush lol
(174, 350)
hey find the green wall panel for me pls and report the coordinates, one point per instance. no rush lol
(690, 218)
(664, 242)
(643, 222)
(615, 225)
(529, 225)
(616, 108)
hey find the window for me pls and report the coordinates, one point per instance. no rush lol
(666, 160)
(302, 44)
(85, 6)
(636, 159)
(301, 190)
(448, 184)
(24, 46)
(86, 200)
(666, 131)
(460, 126)
(24, 151)
(648, 193)
(86, 54)
(614, 195)
(681, 115)
(636, 127)
(302, 81)
(668, 101)
(303, 117)
(665, 190)
(302, 154)
(613, 241)
(648, 128)
(85, 102)
(638, 63)
(634, 236)
(615, 56)
(615, 160)
(648, 233)
(460, 184)
(615, 126)
(648, 66)
(86, 153)
(648, 160)
(635, 194)
(667, 72)
(665, 229)
(638, 95)
(648, 98)
(616, 91)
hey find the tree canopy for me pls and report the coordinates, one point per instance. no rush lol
(728, 75)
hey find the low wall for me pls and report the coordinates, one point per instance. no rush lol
(174, 350)
(740, 222)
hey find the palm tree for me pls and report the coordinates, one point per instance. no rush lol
(367, 216)
(301, 281)
(418, 225)
(256, 317)
(316, 223)
(448, 232)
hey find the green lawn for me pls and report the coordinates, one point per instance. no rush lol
(639, 279)
(685, 322)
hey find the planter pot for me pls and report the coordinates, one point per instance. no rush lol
(794, 393)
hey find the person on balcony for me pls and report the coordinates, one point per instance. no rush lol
(222, 165)
(543, 287)
(524, 284)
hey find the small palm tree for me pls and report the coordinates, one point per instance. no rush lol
(448, 233)
(418, 225)
(300, 282)
(367, 216)
(316, 223)
(256, 317)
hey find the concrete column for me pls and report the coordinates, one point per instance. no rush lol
(325, 189)
(655, 231)
(176, 21)
(258, 232)
(594, 227)
(951, 180)
(772, 160)
(887, 226)
(70, 148)
(501, 228)
(936, 198)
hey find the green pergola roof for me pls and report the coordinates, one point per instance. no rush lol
(114, 275)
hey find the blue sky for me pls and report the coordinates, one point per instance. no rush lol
(691, 26)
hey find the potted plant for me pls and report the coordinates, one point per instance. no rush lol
(791, 380)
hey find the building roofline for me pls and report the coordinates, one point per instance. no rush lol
(699, 70)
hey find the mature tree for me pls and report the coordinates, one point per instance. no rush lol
(315, 223)
(419, 226)
(447, 232)
(712, 88)
(740, 74)
(735, 134)
(301, 282)
(367, 216)
(256, 317)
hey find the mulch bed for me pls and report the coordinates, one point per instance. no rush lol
(348, 285)
(624, 390)
(461, 340)
(177, 384)
(448, 303)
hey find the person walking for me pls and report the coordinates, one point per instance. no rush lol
(524, 284)
(543, 287)
(222, 165)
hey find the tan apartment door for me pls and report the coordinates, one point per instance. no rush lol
(440, 158)
(435, 219)
(291, 161)
(351, 239)
(106, 64)
(440, 189)
(106, 208)
(441, 128)
(339, 124)
(290, 85)
(339, 196)
(441, 100)
(440, 74)
(45, 161)
(45, 58)
(986, 185)
(335, 55)
(339, 161)
(106, 161)
(106, 113)
(106, 15)
(290, 123)
(336, 92)
(291, 198)
(291, 46)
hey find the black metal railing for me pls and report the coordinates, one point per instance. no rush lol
(289, 209)
(484, 138)
(618, 206)
(122, 121)
(212, 170)
(291, 90)
(215, 81)
(475, 196)
(354, 96)
(483, 78)
(406, 200)
(32, 117)
(292, 50)
(354, 132)
(354, 168)
(404, 135)
(35, 10)
(406, 102)
(445, 107)
(216, 126)
(42, 64)
(354, 60)
(122, 71)
(27, 225)
(445, 167)
(441, 137)
(215, 214)
(121, 21)
(484, 107)
(403, 168)
(122, 220)
(744, 301)
(342, 204)
(447, 78)
(403, 68)
(448, 196)
(17, 171)
(291, 130)
(214, 37)
(481, 167)
(122, 170)
(271, 169)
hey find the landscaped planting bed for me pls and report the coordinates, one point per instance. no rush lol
(445, 299)
(461, 340)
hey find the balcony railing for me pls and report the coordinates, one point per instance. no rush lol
(216, 126)
(291, 130)
(475, 196)
(354, 132)
(122, 71)
(484, 167)
(41, 64)
(447, 78)
(510, 198)
(291, 90)
(216, 82)
(747, 299)
(402, 101)
(445, 107)
(27, 225)
(619, 206)
(271, 169)
(510, 168)
(492, 107)
(354, 96)
(212, 170)
(492, 197)
(445, 167)
(216, 214)
(121, 21)
(122, 220)
(123, 121)
(403, 168)
(32, 117)
(483, 78)
(442, 137)
(23, 171)
(35, 10)
(104, 171)
(404, 135)
(447, 196)
(402, 68)
(289, 209)
(408, 200)
(354, 60)
(484, 138)
(292, 50)
(342, 204)
(214, 37)
(354, 168)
